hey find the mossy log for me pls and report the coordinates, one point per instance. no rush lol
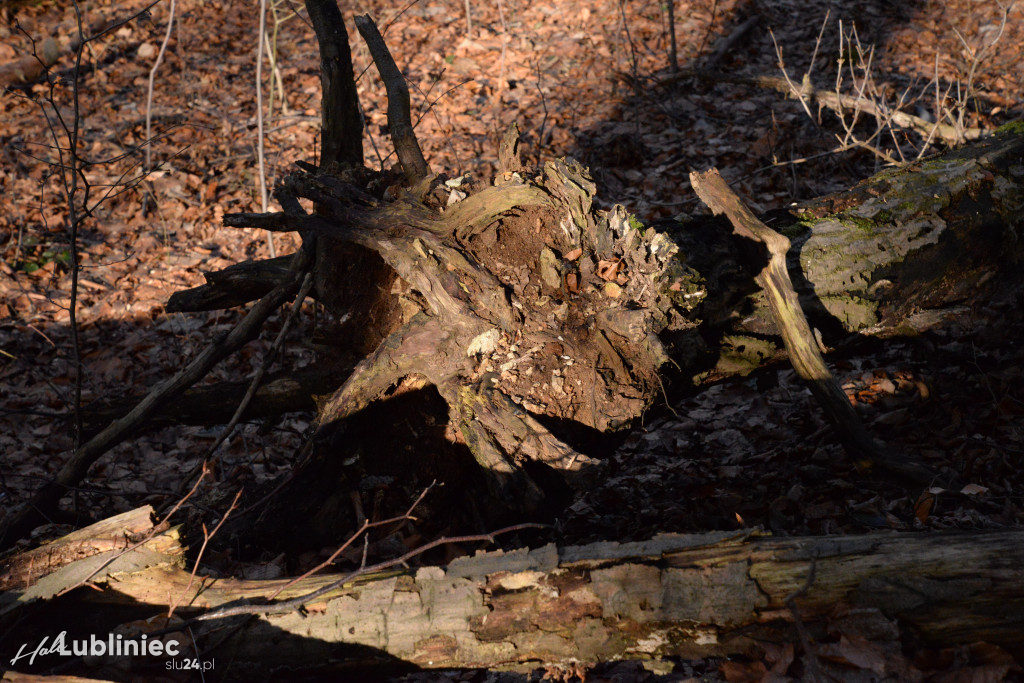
(901, 251)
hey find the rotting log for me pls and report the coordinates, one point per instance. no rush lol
(695, 595)
(903, 252)
(901, 249)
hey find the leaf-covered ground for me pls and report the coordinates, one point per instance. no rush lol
(592, 80)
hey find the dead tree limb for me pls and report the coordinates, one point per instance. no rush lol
(282, 392)
(233, 286)
(837, 102)
(399, 112)
(797, 336)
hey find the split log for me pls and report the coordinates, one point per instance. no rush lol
(675, 595)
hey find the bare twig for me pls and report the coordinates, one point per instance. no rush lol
(977, 56)
(260, 47)
(277, 82)
(711, 25)
(202, 549)
(297, 603)
(152, 77)
(857, 92)
(633, 61)
(673, 54)
(362, 531)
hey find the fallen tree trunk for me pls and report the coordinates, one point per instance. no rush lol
(696, 595)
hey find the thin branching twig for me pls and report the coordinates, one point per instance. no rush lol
(260, 48)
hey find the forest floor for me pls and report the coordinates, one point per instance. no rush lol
(592, 80)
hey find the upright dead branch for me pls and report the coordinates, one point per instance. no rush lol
(399, 112)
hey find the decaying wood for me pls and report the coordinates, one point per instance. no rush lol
(32, 568)
(572, 335)
(675, 595)
(901, 253)
(837, 102)
(488, 353)
(801, 346)
(520, 301)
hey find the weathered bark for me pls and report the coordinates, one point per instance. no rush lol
(899, 249)
(339, 108)
(675, 595)
(504, 311)
(899, 254)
